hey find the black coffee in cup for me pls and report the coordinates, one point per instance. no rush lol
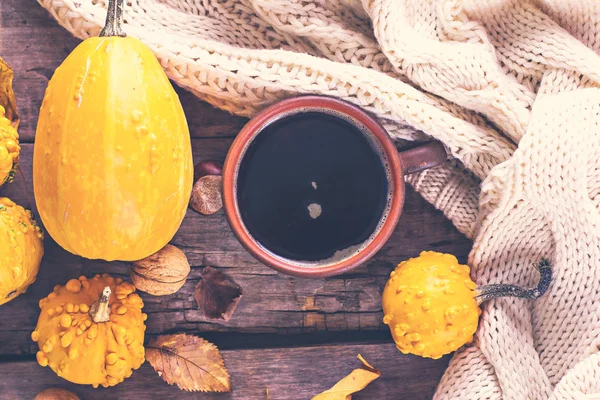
(312, 185)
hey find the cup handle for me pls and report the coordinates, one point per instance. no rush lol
(424, 156)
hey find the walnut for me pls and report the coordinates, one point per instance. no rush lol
(162, 273)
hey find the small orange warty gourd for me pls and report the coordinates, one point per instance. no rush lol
(91, 331)
(9, 149)
(432, 306)
(112, 164)
(21, 249)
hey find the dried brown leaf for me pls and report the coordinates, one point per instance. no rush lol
(356, 381)
(192, 363)
(217, 294)
(7, 96)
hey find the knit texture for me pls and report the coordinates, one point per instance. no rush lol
(512, 89)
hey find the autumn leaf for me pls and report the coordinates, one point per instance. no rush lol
(7, 96)
(217, 294)
(190, 362)
(356, 381)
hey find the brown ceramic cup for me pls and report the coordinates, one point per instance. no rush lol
(397, 164)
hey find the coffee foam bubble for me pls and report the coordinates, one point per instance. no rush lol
(342, 254)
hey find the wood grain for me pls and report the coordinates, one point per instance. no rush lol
(33, 44)
(272, 302)
(297, 373)
(276, 310)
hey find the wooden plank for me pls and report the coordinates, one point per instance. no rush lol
(208, 238)
(294, 373)
(33, 44)
(28, 29)
(272, 303)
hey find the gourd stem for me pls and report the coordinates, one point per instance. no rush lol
(100, 311)
(488, 292)
(114, 20)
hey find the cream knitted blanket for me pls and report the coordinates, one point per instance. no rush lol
(511, 87)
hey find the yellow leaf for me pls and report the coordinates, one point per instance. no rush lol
(7, 97)
(190, 362)
(356, 381)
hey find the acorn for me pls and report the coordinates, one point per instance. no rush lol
(206, 195)
(431, 304)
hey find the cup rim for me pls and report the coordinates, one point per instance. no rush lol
(257, 124)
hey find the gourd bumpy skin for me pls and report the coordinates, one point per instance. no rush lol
(21, 250)
(82, 351)
(112, 167)
(429, 304)
(9, 149)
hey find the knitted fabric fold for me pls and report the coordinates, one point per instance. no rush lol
(512, 88)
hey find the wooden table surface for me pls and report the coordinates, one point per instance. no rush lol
(296, 337)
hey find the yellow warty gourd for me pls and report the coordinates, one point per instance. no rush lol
(112, 164)
(91, 331)
(21, 249)
(9, 149)
(432, 306)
